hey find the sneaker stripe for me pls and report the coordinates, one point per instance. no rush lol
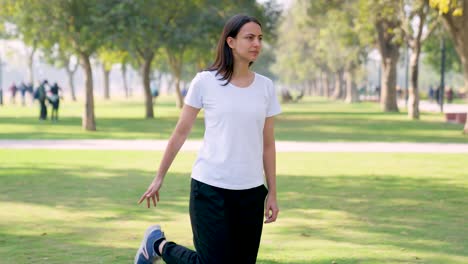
(145, 252)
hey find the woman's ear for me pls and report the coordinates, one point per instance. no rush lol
(231, 42)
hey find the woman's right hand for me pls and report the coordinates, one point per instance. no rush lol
(152, 193)
(178, 137)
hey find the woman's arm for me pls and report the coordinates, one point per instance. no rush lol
(269, 165)
(177, 139)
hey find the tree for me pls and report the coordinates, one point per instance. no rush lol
(296, 51)
(186, 26)
(432, 52)
(195, 27)
(415, 16)
(28, 35)
(125, 58)
(384, 15)
(455, 19)
(321, 37)
(107, 58)
(62, 58)
(140, 27)
(79, 24)
(345, 48)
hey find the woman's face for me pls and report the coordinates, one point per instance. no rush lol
(248, 42)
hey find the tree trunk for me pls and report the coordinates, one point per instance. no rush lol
(326, 89)
(124, 79)
(176, 66)
(413, 96)
(389, 52)
(464, 59)
(320, 84)
(351, 90)
(88, 122)
(388, 98)
(31, 64)
(106, 74)
(312, 88)
(145, 72)
(338, 92)
(71, 83)
(71, 77)
(180, 99)
(457, 29)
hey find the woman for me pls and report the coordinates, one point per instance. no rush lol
(227, 197)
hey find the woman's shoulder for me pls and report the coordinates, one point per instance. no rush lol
(204, 76)
(264, 81)
(263, 78)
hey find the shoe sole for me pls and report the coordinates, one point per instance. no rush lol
(143, 242)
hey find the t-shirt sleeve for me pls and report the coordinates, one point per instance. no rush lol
(194, 94)
(274, 107)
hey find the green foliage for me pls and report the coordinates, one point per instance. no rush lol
(319, 36)
(385, 12)
(74, 23)
(140, 27)
(432, 53)
(110, 57)
(296, 45)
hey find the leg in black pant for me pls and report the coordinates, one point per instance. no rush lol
(218, 216)
(246, 222)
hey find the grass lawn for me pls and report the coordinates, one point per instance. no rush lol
(313, 119)
(80, 207)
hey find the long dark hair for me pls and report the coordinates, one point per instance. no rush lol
(224, 62)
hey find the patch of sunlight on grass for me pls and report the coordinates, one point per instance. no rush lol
(24, 212)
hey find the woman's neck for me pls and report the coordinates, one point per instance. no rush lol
(241, 70)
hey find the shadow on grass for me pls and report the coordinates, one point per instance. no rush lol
(79, 188)
(56, 248)
(107, 128)
(356, 130)
(424, 215)
(332, 260)
(314, 128)
(416, 214)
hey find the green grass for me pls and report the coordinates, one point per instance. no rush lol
(460, 101)
(313, 119)
(80, 207)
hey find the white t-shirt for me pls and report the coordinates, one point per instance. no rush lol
(231, 156)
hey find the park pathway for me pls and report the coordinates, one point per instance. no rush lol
(281, 146)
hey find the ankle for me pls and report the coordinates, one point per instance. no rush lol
(161, 247)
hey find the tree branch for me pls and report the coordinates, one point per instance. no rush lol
(431, 28)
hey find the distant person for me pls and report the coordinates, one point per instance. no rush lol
(23, 88)
(285, 95)
(431, 93)
(450, 95)
(41, 96)
(54, 101)
(437, 94)
(184, 92)
(30, 90)
(227, 197)
(154, 90)
(13, 90)
(399, 92)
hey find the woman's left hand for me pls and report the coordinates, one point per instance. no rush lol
(271, 209)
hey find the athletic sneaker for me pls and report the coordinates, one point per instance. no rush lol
(146, 253)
